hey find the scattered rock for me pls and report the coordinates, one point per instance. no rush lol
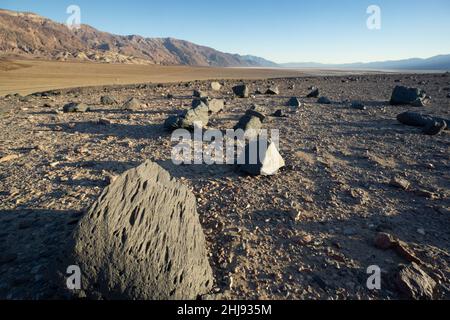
(142, 240)
(384, 241)
(261, 158)
(430, 123)
(199, 94)
(412, 96)
(400, 183)
(241, 91)
(415, 283)
(215, 105)
(314, 93)
(195, 117)
(132, 104)
(172, 123)
(435, 128)
(294, 102)
(107, 100)
(278, 114)
(274, 90)
(251, 122)
(75, 107)
(426, 194)
(215, 86)
(25, 99)
(358, 105)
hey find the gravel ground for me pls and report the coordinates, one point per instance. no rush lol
(306, 233)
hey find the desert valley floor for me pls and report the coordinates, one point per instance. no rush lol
(306, 233)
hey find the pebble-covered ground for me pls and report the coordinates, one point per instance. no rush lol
(306, 233)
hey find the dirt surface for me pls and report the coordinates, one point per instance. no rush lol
(28, 76)
(306, 233)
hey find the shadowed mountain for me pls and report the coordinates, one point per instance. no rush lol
(30, 35)
(441, 62)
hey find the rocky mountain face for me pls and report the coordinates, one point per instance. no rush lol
(30, 35)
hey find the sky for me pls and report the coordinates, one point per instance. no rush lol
(326, 31)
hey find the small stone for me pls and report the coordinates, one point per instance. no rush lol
(314, 93)
(294, 102)
(107, 100)
(215, 86)
(415, 283)
(132, 104)
(278, 114)
(241, 91)
(273, 91)
(216, 106)
(384, 241)
(358, 105)
(426, 194)
(75, 107)
(199, 94)
(400, 183)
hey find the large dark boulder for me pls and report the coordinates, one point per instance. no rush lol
(408, 96)
(142, 240)
(415, 119)
(241, 91)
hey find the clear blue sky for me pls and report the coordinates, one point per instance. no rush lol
(329, 31)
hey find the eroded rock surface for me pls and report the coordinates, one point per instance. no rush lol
(142, 239)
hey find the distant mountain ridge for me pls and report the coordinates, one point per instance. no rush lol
(30, 35)
(440, 62)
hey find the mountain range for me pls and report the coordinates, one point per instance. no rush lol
(440, 62)
(30, 35)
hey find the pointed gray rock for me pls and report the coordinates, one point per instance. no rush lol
(132, 104)
(142, 240)
(261, 158)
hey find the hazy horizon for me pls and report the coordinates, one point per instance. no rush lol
(408, 29)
